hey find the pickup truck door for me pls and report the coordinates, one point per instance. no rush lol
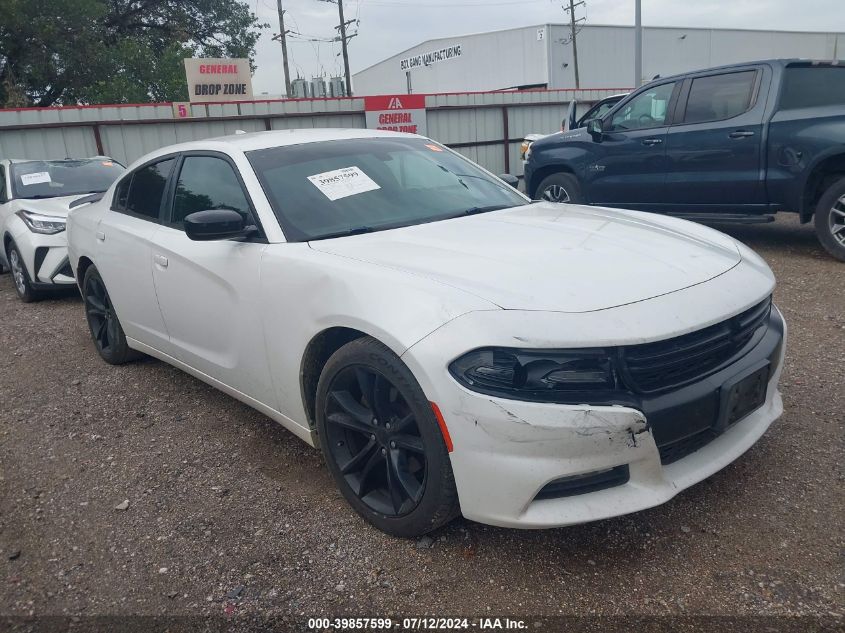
(713, 152)
(629, 162)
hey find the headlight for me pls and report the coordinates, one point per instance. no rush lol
(525, 149)
(44, 224)
(537, 375)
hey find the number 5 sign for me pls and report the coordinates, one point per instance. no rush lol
(181, 110)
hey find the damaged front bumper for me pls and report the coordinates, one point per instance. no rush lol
(539, 465)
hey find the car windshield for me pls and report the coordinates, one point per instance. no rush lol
(55, 178)
(334, 188)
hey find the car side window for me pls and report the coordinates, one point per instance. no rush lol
(121, 194)
(647, 110)
(3, 195)
(719, 97)
(147, 189)
(205, 183)
(812, 87)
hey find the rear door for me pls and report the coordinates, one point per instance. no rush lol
(629, 166)
(713, 152)
(209, 292)
(124, 254)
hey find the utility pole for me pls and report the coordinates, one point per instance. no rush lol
(573, 33)
(638, 44)
(574, 44)
(282, 37)
(343, 40)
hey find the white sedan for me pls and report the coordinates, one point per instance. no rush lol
(451, 346)
(35, 197)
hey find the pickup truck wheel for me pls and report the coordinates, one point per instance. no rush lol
(830, 220)
(560, 188)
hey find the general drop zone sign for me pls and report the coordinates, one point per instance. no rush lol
(218, 80)
(396, 113)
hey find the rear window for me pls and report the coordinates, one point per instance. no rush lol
(812, 87)
(719, 97)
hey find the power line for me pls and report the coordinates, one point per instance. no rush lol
(344, 41)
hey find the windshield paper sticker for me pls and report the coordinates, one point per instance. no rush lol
(37, 178)
(342, 183)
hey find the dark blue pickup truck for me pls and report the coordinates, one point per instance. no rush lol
(735, 143)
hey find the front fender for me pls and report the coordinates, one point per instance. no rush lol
(305, 292)
(556, 156)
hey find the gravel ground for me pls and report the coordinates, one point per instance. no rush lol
(230, 514)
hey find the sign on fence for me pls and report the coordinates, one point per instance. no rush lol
(218, 80)
(397, 113)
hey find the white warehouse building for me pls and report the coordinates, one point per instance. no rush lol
(542, 57)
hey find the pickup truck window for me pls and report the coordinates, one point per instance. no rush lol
(646, 110)
(719, 97)
(812, 86)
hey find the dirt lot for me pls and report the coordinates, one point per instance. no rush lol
(229, 513)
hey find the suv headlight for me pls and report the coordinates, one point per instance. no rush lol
(44, 224)
(535, 374)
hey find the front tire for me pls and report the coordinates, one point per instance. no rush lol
(105, 328)
(830, 219)
(560, 187)
(381, 441)
(20, 277)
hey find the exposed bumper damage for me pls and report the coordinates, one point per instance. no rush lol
(508, 454)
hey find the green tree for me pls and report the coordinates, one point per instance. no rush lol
(114, 51)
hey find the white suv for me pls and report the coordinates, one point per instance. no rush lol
(35, 197)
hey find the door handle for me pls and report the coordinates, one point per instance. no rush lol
(100, 236)
(740, 134)
(161, 260)
(648, 142)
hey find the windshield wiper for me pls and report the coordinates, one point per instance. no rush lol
(358, 230)
(490, 207)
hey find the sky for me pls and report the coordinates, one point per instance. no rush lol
(387, 27)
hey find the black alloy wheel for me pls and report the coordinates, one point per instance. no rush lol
(374, 439)
(103, 323)
(101, 317)
(382, 441)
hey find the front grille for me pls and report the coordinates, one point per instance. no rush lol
(679, 449)
(666, 364)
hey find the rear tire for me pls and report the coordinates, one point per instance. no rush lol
(20, 276)
(382, 442)
(560, 187)
(105, 328)
(830, 219)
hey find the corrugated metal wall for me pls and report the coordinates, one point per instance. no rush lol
(486, 127)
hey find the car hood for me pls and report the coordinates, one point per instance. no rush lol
(58, 207)
(551, 257)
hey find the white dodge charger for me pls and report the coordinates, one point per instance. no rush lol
(451, 346)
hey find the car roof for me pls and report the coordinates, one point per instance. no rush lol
(16, 161)
(250, 141)
(277, 138)
(771, 62)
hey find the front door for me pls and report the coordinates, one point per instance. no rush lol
(209, 292)
(630, 160)
(713, 152)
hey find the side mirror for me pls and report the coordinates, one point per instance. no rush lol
(215, 224)
(511, 180)
(595, 129)
(569, 123)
